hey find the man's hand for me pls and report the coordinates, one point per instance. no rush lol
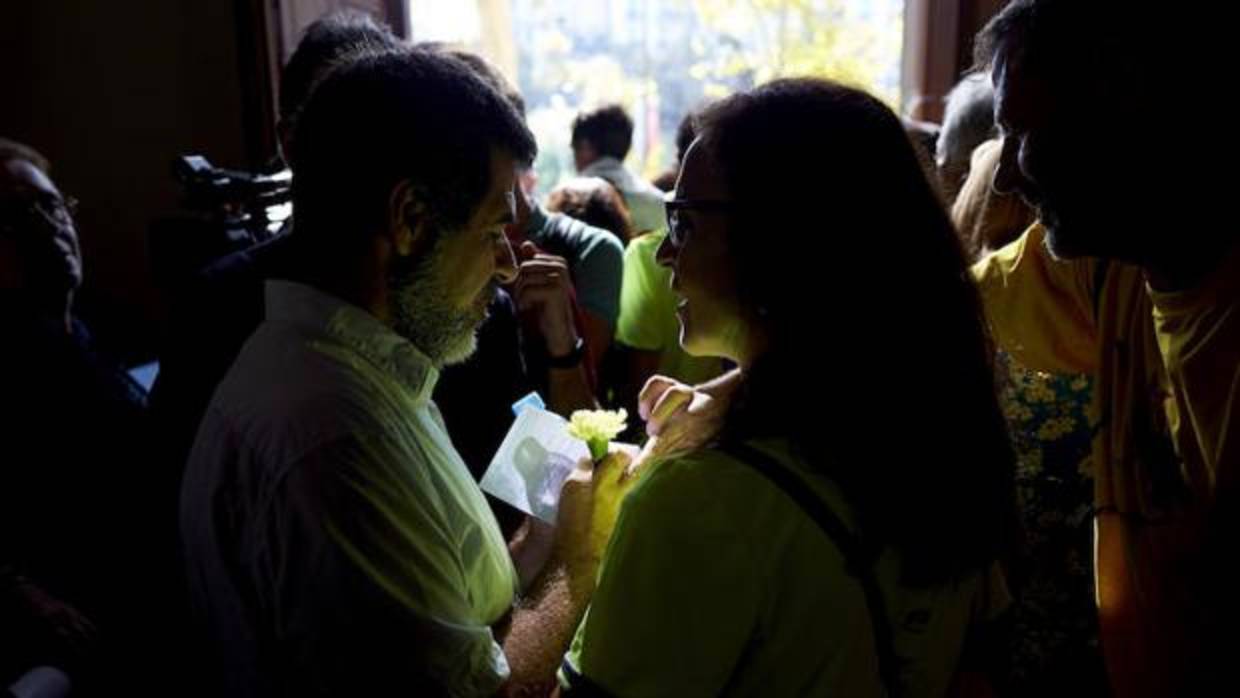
(544, 291)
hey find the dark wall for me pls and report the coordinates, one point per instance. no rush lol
(938, 49)
(110, 92)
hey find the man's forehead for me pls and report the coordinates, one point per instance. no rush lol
(1024, 93)
(499, 204)
(503, 179)
(503, 164)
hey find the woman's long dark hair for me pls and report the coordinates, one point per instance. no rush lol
(879, 368)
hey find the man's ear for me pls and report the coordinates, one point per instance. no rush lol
(409, 225)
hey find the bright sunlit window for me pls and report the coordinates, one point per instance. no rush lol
(662, 58)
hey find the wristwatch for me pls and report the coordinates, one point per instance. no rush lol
(570, 360)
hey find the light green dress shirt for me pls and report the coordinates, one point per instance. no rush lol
(334, 538)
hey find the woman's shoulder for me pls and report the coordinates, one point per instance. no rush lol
(713, 469)
(720, 486)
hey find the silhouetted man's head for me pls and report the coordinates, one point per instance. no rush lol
(405, 168)
(39, 254)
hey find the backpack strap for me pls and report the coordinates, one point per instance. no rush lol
(859, 560)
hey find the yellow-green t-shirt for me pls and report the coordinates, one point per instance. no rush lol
(716, 583)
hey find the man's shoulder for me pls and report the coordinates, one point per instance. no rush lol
(646, 206)
(249, 267)
(282, 376)
(647, 192)
(577, 238)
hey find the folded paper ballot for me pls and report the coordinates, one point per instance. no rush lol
(532, 463)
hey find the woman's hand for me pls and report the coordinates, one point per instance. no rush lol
(681, 417)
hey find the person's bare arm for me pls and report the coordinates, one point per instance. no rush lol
(598, 335)
(531, 548)
(543, 624)
(544, 289)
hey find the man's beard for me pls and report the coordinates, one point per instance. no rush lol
(422, 311)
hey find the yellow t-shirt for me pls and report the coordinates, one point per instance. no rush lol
(1164, 452)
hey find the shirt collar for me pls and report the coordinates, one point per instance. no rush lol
(610, 169)
(319, 313)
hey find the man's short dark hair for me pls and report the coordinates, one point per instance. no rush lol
(325, 42)
(608, 128)
(1065, 39)
(12, 150)
(405, 114)
(488, 72)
